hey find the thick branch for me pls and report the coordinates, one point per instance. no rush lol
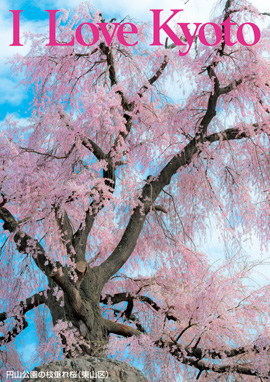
(25, 243)
(182, 357)
(200, 353)
(107, 51)
(109, 172)
(125, 247)
(80, 237)
(94, 148)
(211, 107)
(66, 230)
(132, 318)
(121, 297)
(232, 134)
(231, 86)
(129, 107)
(120, 329)
(155, 77)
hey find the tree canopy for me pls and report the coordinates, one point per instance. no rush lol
(107, 188)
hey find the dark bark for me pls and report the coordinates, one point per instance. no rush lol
(81, 308)
(192, 358)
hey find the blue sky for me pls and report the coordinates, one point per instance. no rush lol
(14, 99)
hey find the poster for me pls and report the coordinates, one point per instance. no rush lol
(134, 186)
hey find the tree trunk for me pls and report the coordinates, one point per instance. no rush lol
(87, 327)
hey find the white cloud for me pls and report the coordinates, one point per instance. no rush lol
(251, 253)
(10, 92)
